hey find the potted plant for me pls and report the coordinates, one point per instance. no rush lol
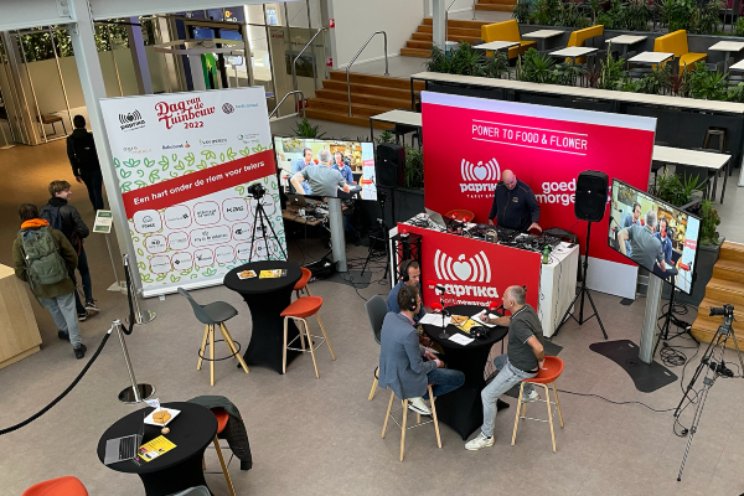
(709, 247)
(304, 129)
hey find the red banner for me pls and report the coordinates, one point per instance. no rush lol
(200, 183)
(469, 142)
(474, 272)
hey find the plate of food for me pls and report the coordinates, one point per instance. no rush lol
(161, 416)
(458, 320)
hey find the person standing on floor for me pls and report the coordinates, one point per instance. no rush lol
(81, 150)
(44, 258)
(64, 217)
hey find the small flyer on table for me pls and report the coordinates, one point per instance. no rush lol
(246, 274)
(154, 448)
(272, 273)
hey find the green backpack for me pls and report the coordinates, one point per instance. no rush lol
(44, 264)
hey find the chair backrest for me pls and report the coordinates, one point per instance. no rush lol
(199, 312)
(501, 31)
(376, 310)
(580, 36)
(674, 42)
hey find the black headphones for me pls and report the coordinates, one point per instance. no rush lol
(404, 270)
(412, 304)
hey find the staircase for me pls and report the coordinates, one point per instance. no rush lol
(370, 95)
(496, 5)
(726, 286)
(457, 30)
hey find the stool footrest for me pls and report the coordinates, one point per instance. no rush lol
(231, 355)
(315, 339)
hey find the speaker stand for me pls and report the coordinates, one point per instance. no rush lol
(583, 292)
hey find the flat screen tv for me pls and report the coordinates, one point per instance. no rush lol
(294, 154)
(654, 234)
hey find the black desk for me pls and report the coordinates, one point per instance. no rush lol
(181, 468)
(462, 409)
(266, 298)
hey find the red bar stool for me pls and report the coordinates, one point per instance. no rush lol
(299, 310)
(301, 284)
(61, 486)
(551, 371)
(460, 214)
(222, 417)
(404, 420)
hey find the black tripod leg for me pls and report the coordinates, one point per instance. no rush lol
(567, 314)
(596, 314)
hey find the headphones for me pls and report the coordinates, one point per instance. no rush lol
(412, 304)
(404, 270)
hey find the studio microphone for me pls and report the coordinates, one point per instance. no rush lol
(440, 289)
(719, 367)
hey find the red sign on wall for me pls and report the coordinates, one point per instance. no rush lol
(473, 271)
(469, 142)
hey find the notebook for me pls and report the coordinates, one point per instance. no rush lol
(124, 448)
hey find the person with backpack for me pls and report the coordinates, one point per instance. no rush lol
(64, 217)
(43, 257)
(81, 150)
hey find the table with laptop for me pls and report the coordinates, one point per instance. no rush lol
(190, 431)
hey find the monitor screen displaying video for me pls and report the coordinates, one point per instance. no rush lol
(654, 234)
(354, 161)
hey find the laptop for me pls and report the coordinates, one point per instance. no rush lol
(436, 218)
(124, 448)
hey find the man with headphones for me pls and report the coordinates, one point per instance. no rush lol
(523, 359)
(409, 275)
(402, 366)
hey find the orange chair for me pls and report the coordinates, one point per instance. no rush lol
(460, 214)
(551, 371)
(300, 310)
(301, 284)
(62, 486)
(222, 417)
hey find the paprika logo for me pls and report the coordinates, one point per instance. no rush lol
(471, 270)
(479, 180)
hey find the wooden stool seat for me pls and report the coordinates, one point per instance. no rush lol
(299, 310)
(551, 371)
(404, 421)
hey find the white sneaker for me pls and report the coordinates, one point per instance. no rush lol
(530, 397)
(418, 405)
(479, 442)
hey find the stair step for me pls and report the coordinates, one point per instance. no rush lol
(368, 90)
(419, 44)
(730, 270)
(732, 251)
(354, 120)
(458, 23)
(416, 52)
(491, 3)
(473, 33)
(340, 97)
(723, 290)
(357, 108)
(371, 79)
(495, 7)
(704, 330)
(708, 303)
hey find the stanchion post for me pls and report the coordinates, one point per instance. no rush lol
(136, 392)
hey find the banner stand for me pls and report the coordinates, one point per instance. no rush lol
(118, 286)
(141, 316)
(650, 319)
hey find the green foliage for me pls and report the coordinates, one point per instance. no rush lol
(546, 12)
(535, 67)
(40, 43)
(736, 93)
(677, 14)
(611, 72)
(522, 11)
(386, 136)
(413, 174)
(636, 15)
(676, 190)
(304, 129)
(440, 61)
(706, 18)
(700, 82)
(467, 61)
(739, 27)
(614, 17)
(709, 221)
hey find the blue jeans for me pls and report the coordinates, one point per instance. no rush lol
(64, 315)
(444, 381)
(508, 377)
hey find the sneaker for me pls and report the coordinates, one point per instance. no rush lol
(83, 316)
(479, 442)
(530, 397)
(91, 306)
(63, 335)
(418, 405)
(80, 351)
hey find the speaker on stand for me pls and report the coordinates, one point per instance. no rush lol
(591, 201)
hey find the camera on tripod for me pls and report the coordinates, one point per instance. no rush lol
(257, 190)
(726, 310)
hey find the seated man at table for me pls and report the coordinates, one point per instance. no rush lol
(410, 275)
(301, 163)
(514, 205)
(523, 359)
(402, 368)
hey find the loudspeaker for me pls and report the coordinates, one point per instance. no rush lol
(389, 164)
(591, 196)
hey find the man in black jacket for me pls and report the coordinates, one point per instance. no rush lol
(81, 150)
(64, 217)
(514, 205)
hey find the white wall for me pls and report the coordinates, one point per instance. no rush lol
(357, 20)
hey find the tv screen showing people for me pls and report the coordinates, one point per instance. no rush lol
(326, 168)
(654, 234)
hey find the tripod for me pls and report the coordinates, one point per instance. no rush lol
(670, 319)
(713, 369)
(583, 292)
(382, 238)
(260, 216)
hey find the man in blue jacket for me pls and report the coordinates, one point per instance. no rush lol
(514, 205)
(402, 368)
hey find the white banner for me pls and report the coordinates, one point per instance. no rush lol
(184, 162)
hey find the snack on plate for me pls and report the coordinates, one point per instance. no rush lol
(458, 319)
(161, 416)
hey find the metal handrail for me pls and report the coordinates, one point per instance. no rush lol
(278, 105)
(294, 61)
(446, 23)
(353, 59)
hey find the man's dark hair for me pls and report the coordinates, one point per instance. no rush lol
(407, 297)
(28, 211)
(58, 186)
(305, 150)
(78, 121)
(636, 204)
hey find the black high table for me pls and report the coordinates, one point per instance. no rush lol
(462, 409)
(267, 298)
(178, 469)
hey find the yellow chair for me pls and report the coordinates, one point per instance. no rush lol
(506, 31)
(676, 43)
(581, 36)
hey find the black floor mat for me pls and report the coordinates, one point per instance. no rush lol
(647, 378)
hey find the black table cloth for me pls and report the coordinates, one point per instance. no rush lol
(462, 409)
(266, 298)
(178, 469)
